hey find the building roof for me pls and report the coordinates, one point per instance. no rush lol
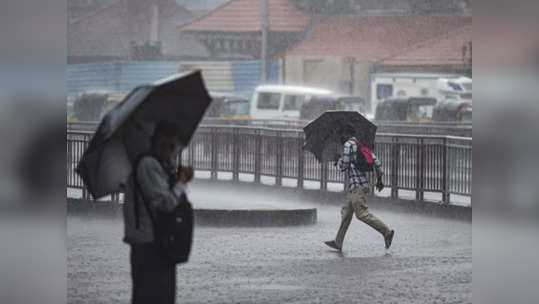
(109, 31)
(374, 37)
(444, 50)
(103, 32)
(246, 16)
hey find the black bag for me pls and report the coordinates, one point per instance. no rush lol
(364, 161)
(172, 231)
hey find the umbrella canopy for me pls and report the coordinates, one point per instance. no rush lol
(322, 135)
(125, 132)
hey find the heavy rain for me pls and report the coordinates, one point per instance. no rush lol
(267, 151)
(268, 189)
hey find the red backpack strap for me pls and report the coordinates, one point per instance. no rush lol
(366, 152)
(364, 149)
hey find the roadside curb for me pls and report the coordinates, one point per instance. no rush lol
(336, 199)
(206, 217)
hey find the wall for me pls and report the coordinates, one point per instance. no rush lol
(238, 77)
(339, 74)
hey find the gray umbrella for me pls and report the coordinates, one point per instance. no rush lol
(322, 134)
(125, 132)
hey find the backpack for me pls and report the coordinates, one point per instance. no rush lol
(364, 161)
(172, 231)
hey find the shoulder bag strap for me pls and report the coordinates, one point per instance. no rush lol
(137, 190)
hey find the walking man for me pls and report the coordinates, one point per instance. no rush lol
(356, 200)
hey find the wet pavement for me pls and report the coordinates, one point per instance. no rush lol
(430, 262)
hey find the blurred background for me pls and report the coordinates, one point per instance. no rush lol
(53, 51)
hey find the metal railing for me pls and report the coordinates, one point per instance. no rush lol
(426, 128)
(441, 164)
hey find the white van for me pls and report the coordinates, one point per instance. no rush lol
(281, 101)
(404, 85)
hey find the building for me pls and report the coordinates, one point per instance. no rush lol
(131, 30)
(336, 49)
(342, 51)
(450, 53)
(234, 29)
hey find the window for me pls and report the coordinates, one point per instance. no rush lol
(383, 91)
(238, 107)
(268, 101)
(466, 116)
(313, 72)
(421, 111)
(467, 86)
(351, 104)
(293, 102)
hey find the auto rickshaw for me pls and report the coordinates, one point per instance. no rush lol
(413, 109)
(316, 105)
(93, 105)
(453, 111)
(225, 105)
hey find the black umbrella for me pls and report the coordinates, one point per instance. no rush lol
(322, 135)
(126, 130)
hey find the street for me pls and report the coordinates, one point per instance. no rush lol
(430, 261)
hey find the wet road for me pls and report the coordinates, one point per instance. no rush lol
(430, 262)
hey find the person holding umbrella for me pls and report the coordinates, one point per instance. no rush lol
(356, 200)
(161, 186)
(133, 151)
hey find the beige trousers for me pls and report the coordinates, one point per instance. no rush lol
(356, 202)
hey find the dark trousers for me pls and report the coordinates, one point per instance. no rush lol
(154, 277)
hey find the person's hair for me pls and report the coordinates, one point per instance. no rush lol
(346, 133)
(166, 129)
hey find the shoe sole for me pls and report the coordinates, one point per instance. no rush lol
(336, 248)
(390, 239)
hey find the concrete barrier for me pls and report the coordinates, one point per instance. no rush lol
(315, 196)
(206, 217)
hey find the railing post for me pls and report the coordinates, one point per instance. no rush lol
(115, 197)
(85, 193)
(279, 159)
(214, 153)
(346, 182)
(70, 164)
(445, 171)
(325, 176)
(191, 153)
(258, 155)
(395, 163)
(419, 169)
(301, 161)
(235, 155)
(422, 168)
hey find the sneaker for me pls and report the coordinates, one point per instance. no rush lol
(388, 238)
(333, 245)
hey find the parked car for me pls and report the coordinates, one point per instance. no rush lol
(281, 102)
(453, 111)
(414, 109)
(226, 105)
(404, 85)
(320, 103)
(93, 105)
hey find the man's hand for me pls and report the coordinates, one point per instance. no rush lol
(379, 185)
(185, 174)
(336, 159)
